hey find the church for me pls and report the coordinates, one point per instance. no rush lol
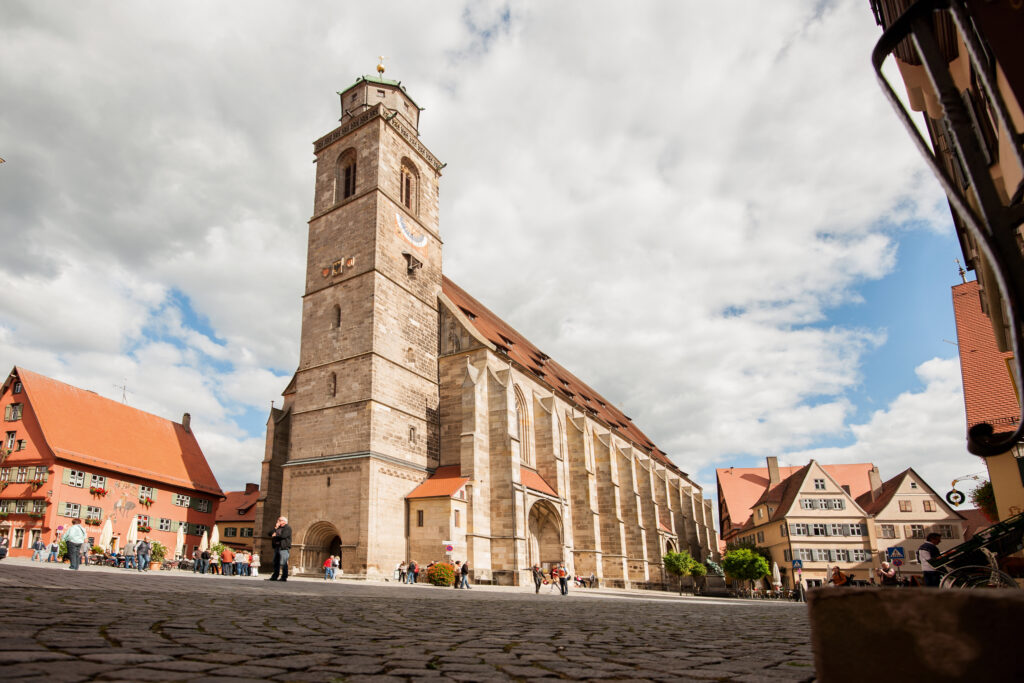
(420, 426)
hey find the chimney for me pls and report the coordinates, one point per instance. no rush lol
(875, 479)
(250, 488)
(186, 422)
(773, 471)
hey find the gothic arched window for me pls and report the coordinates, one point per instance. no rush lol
(523, 429)
(345, 183)
(409, 181)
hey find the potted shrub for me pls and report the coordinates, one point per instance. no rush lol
(157, 554)
(441, 574)
(985, 499)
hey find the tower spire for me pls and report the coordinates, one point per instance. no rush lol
(380, 65)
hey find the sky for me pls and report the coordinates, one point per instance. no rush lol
(706, 211)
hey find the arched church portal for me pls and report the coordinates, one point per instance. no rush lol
(670, 546)
(321, 541)
(545, 534)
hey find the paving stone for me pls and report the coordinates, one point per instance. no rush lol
(185, 627)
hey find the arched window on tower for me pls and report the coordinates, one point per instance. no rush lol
(336, 316)
(332, 385)
(409, 185)
(345, 183)
(525, 456)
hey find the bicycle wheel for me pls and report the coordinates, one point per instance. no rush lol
(978, 577)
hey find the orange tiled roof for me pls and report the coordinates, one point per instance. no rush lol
(533, 360)
(740, 488)
(533, 480)
(444, 482)
(85, 428)
(988, 390)
(664, 528)
(238, 506)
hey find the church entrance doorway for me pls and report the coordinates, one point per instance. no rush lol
(322, 540)
(545, 535)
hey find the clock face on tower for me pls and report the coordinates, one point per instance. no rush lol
(418, 241)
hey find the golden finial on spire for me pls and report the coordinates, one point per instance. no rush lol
(963, 275)
(380, 65)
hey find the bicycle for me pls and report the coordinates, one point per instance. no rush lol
(975, 563)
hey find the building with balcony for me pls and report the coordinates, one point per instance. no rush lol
(70, 453)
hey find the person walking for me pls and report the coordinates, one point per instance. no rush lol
(74, 537)
(204, 561)
(465, 574)
(335, 566)
(142, 555)
(538, 578)
(254, 563)
(54, 550)
(281, 539)
(227, 560)
(241, 563)
(401, 572)
(412, 571)
(327, 568)
(563, 579)
(37, 550)
(928, 551)
(457, 579)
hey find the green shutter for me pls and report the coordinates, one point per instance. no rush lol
(66, 476)
(62, 510)
(153, 495)
(193, 502)
(7, 413)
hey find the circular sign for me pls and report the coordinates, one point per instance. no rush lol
(449, 548)
(955, 497)
(897, 562)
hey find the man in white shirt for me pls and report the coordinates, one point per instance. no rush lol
(74, 537)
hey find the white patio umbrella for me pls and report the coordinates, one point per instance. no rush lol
(776, 575)
(179, 542)
(133, 532)
(204, 542)
(106, 534)
(215, 536)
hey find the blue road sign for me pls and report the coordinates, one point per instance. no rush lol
(895, 553)
(798, 564)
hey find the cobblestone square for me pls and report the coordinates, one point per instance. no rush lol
(120, 625)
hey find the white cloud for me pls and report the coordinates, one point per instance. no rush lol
(670, 201)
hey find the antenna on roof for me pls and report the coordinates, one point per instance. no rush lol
(960, 268)
(124, 390)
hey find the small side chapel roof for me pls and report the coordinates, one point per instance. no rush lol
(533, 480)
(519, 349)
(443, 483)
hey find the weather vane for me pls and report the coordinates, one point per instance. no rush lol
(380, 65)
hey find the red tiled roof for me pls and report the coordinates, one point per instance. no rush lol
(571, 388)
(85, 428)
(988, 389)
(239, 506)
(663, 527)
(740, 488)
(444, 482)
(533, 480)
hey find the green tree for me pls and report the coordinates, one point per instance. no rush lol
(157, 552)
(679, 564)
(698, 572)
(739, 545)
(985, 499)
(745, 564)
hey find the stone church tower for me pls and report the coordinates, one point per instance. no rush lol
(419, 425)
(359, 427)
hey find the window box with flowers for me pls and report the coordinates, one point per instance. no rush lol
(144, 528)
(36, 484)
(146, 501)
(91, 521)
(35, 515)
(97, 491)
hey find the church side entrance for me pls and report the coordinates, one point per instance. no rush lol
(321, 540)
(545, 535)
